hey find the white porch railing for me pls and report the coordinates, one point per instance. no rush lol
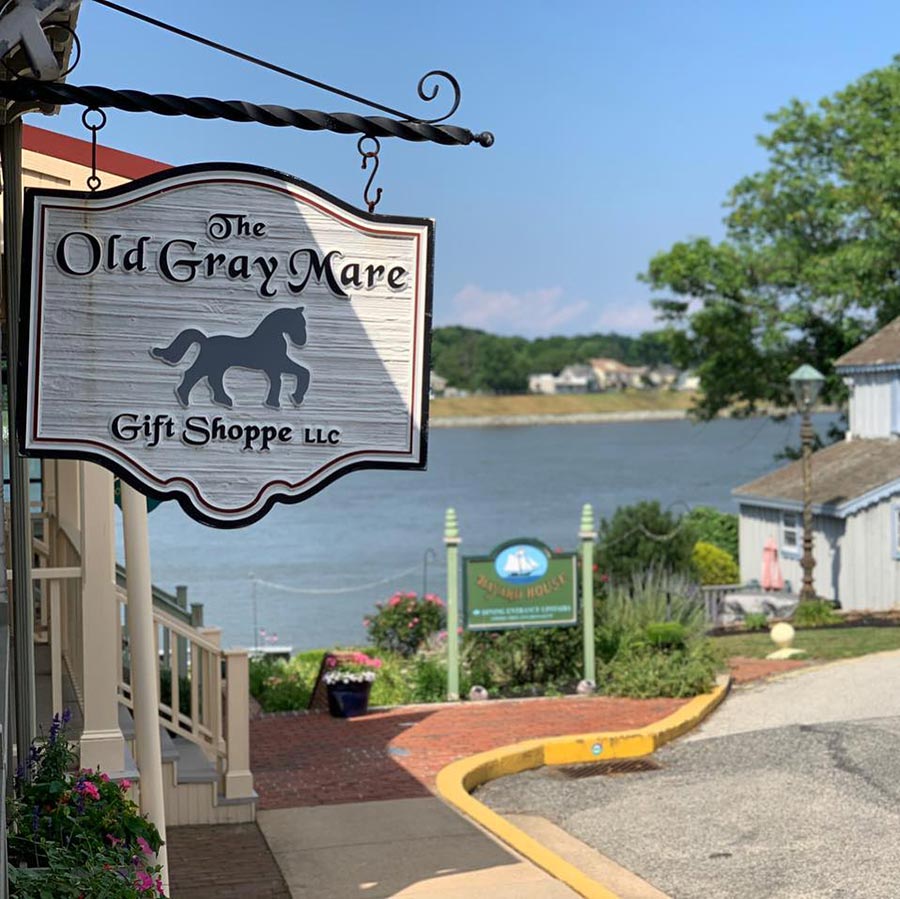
(203, 691)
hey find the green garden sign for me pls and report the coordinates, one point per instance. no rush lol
(522, 583)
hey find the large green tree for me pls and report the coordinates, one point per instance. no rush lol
(810, 263)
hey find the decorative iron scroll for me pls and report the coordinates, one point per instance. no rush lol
(96, 97)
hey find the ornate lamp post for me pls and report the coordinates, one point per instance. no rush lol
(806, 383)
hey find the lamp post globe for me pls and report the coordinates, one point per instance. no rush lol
(806, 384)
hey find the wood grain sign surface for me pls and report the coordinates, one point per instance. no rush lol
(225, 335)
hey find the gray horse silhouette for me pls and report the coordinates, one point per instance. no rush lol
(264, 350)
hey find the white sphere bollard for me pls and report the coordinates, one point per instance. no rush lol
(586, 688)
(478, 693)
(782, 635)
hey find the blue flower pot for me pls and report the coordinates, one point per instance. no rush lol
(349, 700)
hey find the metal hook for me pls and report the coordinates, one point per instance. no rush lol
(366, 156)
(93, 180)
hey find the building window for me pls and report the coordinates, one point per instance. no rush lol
(791, 534)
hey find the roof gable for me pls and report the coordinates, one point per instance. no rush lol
(882, 348)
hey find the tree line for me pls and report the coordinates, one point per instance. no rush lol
(478, 361)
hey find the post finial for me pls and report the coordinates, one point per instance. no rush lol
(451, 527)
(588, 527)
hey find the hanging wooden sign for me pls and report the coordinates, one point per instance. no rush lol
(225, 335)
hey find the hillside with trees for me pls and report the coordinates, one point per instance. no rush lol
(477, 361)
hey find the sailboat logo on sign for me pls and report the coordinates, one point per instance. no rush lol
(521, 564)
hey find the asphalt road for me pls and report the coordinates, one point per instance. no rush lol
(745, 810)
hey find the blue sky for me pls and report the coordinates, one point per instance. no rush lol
(619, 126)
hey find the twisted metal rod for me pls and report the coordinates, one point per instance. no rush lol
(98, 97)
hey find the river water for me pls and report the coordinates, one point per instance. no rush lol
(321, 565)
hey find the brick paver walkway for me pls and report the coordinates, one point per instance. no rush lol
(744, 670)
(314, 759)
(229, 860)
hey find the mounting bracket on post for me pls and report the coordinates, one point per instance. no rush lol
(22, 25)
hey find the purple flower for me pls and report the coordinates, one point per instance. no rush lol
(35, 818)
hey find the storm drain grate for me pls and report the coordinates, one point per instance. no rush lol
(608, 769)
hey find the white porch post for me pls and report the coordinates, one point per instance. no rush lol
(238, 779)
(102, 745)
(144, 670)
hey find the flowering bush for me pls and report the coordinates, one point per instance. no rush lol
(405, 622)
(350, 668)
(76, 830)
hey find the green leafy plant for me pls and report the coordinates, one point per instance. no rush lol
(709, 525)
(815, 613)
(641, 671)
(524, 658)
(626, 611)
(405, 622)
(756, 621)
(714, 565)
(666, 635)
(280, 686)
(76, 833)
(642, 537)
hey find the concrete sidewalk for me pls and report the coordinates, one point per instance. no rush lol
(407, 848)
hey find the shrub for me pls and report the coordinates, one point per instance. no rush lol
(281, 686)
(509, 660)
(709, 525)
(430, 680)
(714, 565)
(639, 671)
(643, 537)
(815, 613)
(405, 622)
(756, 621)
(666, 635)
(184, 690)
(80, 827)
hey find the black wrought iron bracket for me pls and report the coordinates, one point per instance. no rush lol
(29, 91)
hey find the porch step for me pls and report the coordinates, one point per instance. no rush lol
(193, 766)
(126, 725)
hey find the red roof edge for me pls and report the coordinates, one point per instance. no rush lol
(73, 149)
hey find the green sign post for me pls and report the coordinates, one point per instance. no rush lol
(522, 583)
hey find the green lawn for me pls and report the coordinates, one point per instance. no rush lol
(828, 643)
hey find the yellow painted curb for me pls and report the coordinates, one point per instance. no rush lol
(457, 780)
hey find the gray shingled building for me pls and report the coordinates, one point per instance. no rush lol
(855, 492)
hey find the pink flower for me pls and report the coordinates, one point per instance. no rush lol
(125, 784)
(331, 662)
(145, 846)
(376, 663)
(443, 635)
(159, 886)
(459, 630)
(88, 789)
(104, 777)
(415, 621)
(410, 625)
(409, 595)
(114, 841)
(394, 601)
(143, 881)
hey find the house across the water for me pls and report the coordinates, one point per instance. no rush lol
(855, 492)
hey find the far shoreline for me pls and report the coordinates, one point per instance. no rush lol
(572, 418)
